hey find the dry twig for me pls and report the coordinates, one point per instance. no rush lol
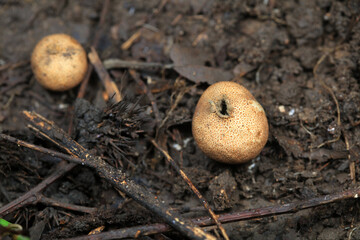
(116, 177)
(63, 167)
(95, 42)
(331, 92)
(127, 44)
(14, 65)
(110, 86)
(118, 63)
(193, 188)
(137, 79)
(228, 217)
(323, 57)
(30, 196)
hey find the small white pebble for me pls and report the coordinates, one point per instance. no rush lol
(331, 129)
(176, 146)
(186, 141)
(291, 112)
(131, 11)
(148, 110)
(62, 106)
(282, 109)
(251, 167)
(149, 80)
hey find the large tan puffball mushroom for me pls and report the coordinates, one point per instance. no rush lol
(59, 62)
(229, 125)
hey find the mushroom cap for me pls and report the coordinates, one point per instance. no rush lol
(229, 125)
(59, 62)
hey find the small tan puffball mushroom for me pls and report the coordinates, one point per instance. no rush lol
(59, 62)
(229, 125)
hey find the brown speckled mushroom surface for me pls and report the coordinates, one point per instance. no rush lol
(229, 125)
(59, 62)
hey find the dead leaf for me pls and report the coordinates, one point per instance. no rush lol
(290, 145)
(189, 62)
(242, 69)
(323, 155)
(209, 75)
(184, 56)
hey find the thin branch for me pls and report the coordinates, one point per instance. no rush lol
(68, 206)
(145, 89)
(119, 63)
(193, 188)
(332, 94)
(30, 196)
(63, 167)
(156, 228)
(116, 177)
(127, 44)
(110, 86)
(95, 42)
(41, 149)
(14, 65)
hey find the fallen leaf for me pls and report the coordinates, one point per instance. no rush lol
(209, 75)
(184, 56)
(290, 145)
(190, 63)
(242, 69)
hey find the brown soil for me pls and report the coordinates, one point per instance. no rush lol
(271, 47)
